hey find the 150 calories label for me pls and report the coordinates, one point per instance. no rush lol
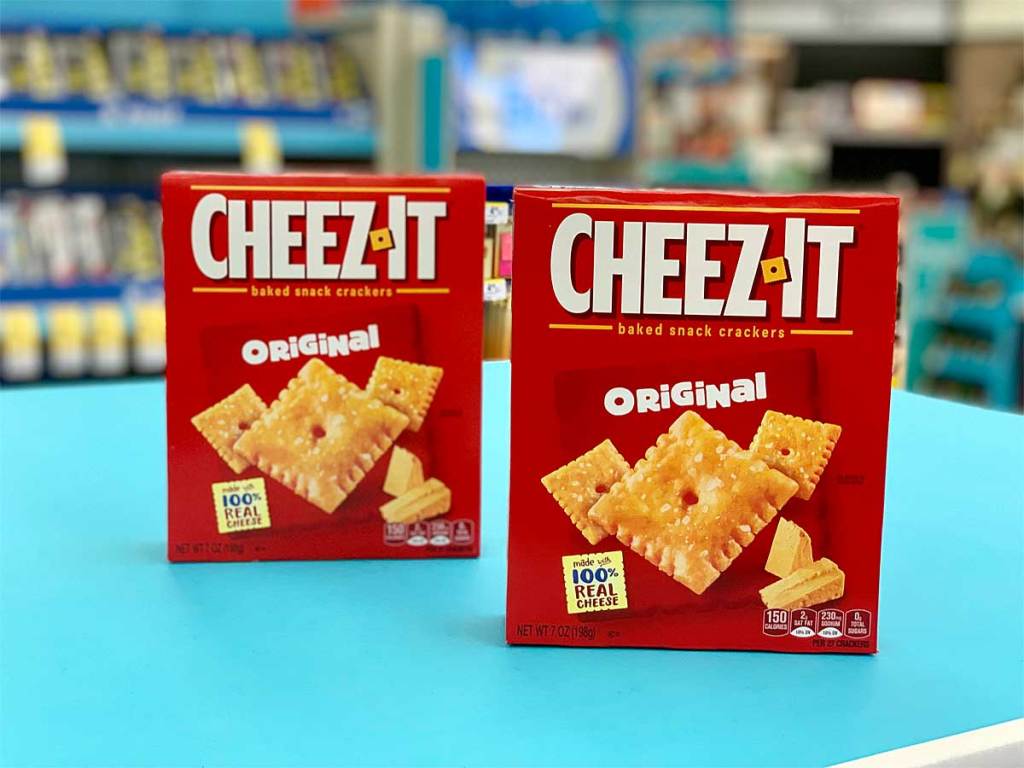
(241, 505)
(594, 582)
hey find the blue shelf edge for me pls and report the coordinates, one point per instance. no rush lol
(197, 136)
(112, 290)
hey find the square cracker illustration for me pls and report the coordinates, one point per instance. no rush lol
(798, 448)
(578, 485)
(408, 387)
(321, 436)
(693, 502)
(224, 422)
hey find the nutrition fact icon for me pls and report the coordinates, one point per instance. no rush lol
(436, 533)
(828, 623)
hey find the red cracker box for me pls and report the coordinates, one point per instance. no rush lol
(700, 403)
(323, 366)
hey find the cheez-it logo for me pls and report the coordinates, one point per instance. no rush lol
(635, 253)
(262, 238)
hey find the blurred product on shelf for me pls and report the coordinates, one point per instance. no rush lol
(964, 282)
(717, 108)
(109, 339)
(698, 109)
(80, 285)
(149, 354)
(22, 343)
(867, 109)
(498, 273)
(65, 340)
(902, 107)
(60, 239)
(197, 71)
(963, 301)
(543, 96)
(498, 327)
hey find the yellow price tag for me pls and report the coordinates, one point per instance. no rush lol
(261, 147)
(43, 159)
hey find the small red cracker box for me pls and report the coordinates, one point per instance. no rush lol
(323, 366)
(700, 405)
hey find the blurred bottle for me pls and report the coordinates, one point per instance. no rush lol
(109, 340)
(149, 338)
(22, 358)
(66, 341)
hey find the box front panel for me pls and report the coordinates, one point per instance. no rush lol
(314, 325)
(677, 327)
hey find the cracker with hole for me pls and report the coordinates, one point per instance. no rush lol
(799, 448)
(693, 502)
(321, 436)
(578, 485)
(224, 422)
(407, 387)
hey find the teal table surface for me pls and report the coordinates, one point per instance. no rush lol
(111, 656)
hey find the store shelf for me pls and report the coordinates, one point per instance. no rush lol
(197, 136)
(264, 18)
(947, 362)
(976, 316)
(731, 173)
(83, 291)
(855, 138)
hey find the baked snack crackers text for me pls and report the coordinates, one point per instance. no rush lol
(686, 366)
(324, 338)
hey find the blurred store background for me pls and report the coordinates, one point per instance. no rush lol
(923, 98)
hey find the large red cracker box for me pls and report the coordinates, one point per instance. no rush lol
(323, 366)
(700, 404)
